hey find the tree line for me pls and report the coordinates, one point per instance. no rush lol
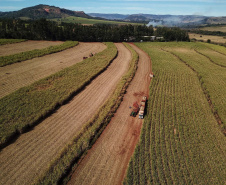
(43, 29)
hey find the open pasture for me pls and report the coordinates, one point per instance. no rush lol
(181, 141)
(214, 28)
(216, 39)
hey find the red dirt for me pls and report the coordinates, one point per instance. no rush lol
(10, 49)
(15, 76)
(31, 154)
(106, 162)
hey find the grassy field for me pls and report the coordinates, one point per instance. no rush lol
(216, 39)
(85, 21)
(10, 41)
(181, 142)
(26, 106)
(10, 59)
(215, 28)
(91, 130)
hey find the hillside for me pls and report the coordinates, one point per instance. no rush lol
(43, 11)
(167, 20)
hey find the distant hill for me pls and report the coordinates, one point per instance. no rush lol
(109, 16)
(44, 11)
(168, 20)
(216, 20)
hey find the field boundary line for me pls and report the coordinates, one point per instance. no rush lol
(216, 115)
(63, 166)
(209, 58)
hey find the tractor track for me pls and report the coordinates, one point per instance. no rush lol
(106, 162)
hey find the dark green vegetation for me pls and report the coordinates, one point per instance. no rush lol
(6, 60)
(181, 142)
(46, 30)
(91, 130)
(27, 106)
(10, 41)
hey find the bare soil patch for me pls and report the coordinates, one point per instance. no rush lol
(10, 49)
(15, 76)
(28, 158)
(107, 161)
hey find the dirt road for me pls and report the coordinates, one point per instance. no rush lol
(31, 154)
(107, 161)
(10, 49)
(15, 76)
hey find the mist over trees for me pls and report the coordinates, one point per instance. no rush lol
(46, 30)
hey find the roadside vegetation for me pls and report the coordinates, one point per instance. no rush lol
(180, 141)
(91, 130)
(10, 59)
(25, 107)
(10, 41)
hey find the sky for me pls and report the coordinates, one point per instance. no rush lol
(160, 7)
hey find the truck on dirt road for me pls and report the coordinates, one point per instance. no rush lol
(142, 107)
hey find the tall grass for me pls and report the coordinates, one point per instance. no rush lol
(92, 129)
(10, 59)
(180, 142)
(10, 41)
(25, 107)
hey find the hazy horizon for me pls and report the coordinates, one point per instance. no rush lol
(159, 7)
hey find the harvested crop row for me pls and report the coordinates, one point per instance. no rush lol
(26, 106)
(29, 157)
(15, 76)
(180, 142)
(107, 160)
(92, 129)
(6, 60)
(10, 41)
(11, 49)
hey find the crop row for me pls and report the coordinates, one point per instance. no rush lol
(180, 142)
(212, 53)
(91, 130)
(212, 77)
(27, 106)
(10, 59)
(10, 41)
